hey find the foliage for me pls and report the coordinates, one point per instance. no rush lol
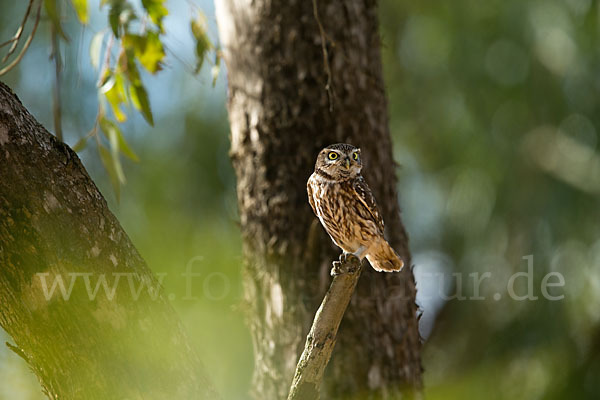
(494, 108)
(135, 39)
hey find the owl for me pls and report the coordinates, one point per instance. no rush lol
(341, 199)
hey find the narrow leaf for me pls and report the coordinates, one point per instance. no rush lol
(203, 44)
(216, 69)
(148, 50)
(114, 92)
(53, 12)
(110, 131)
(120, 15)
(113, 17)
(96, 49)
(139, 98)
(106, 158)
(80, 7)
(157, 11)
(80, 145)
(125, 149)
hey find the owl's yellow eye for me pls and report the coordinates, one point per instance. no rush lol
(355, 156)
(333, 155)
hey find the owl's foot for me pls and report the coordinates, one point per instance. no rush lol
(348, 264)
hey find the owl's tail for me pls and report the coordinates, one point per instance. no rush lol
(382, 257)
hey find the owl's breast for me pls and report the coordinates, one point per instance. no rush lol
(339, 211)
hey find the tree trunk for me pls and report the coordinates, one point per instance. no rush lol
(55, 225)
(281, 115)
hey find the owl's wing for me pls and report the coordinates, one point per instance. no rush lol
(311, 200)
(368, 200)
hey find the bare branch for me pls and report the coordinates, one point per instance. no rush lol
(9, 41)
(17, 36)
(26, 45)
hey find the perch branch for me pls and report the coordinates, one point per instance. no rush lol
(322, 336)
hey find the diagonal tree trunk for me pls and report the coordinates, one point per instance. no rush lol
(54, 224)
(281, 114)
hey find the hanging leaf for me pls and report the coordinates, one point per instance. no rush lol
(114, 91)
(96, 49)
(120, 15)
(153, 53)
(105, 80)
(112, 131)
(107, 161)
(53, 12)
(157, 11)
(139, 98)
(137, 92)
(203, 44)
(106, 125)
(134, 42)
(215, 69)
(125, 149)
(148, 50)
(80, 145)
(80, 7)
(114, 16)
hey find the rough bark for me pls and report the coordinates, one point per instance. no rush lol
(280, 116)
(55, 222)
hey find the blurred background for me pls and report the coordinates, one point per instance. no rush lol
(494, 112)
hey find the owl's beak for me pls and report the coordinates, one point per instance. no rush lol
(347, 165)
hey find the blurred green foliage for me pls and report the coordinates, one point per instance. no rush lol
(135, 39)
(494, 114)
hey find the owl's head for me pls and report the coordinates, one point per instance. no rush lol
(340, 161)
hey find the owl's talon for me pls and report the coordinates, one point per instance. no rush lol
(347, 257)
(336, 270)
(347, 264)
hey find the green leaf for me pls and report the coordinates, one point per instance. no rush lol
(126, 63)
(53, 12)
(96, 49)
(114, 16)
(203, 44)
(112, 131)
(125, 149)
(157, 11)
(216, 69)
(120, 15)
(80, 145)
(106, 125)
(152, 54)
(139, 98)
(80, 7)
(148, 50)
(114, 91)
(107, 161)
(105, 80)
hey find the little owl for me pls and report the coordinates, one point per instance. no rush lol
(344, 204)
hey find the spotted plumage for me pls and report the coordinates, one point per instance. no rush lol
(343, 202)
